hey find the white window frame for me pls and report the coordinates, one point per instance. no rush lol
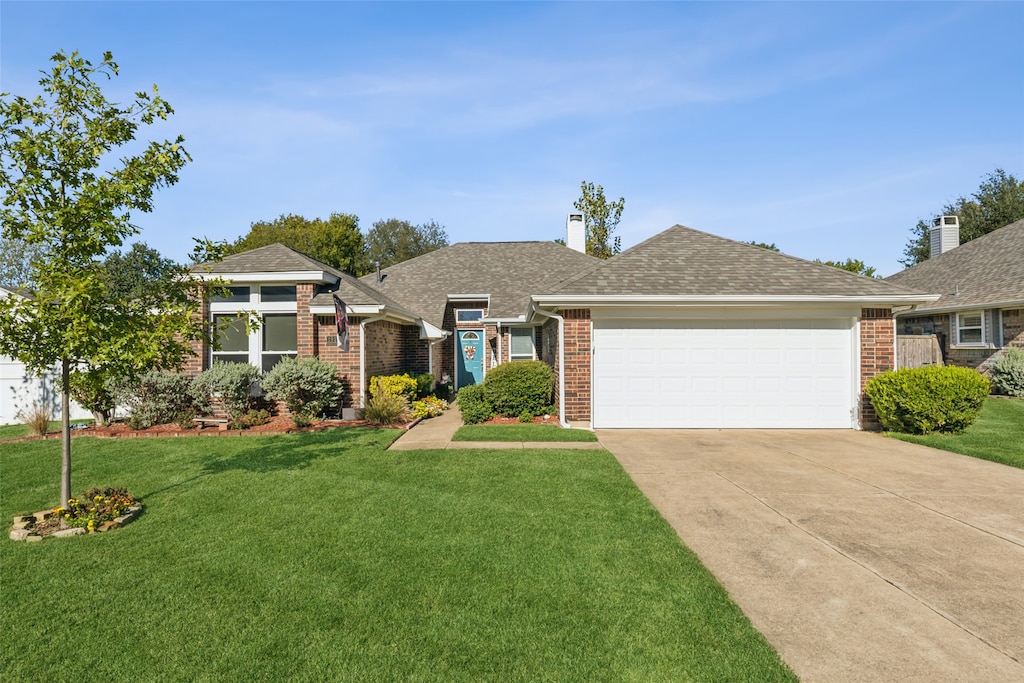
(475, 321)
(259, 308)
(533, 343)
(959, 327)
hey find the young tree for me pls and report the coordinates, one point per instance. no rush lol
(336, 241)
(998, 201)
(602, 218)
(69, 188)
(392, 241)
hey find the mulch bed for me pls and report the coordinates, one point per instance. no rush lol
(279, 424)
(499, 420)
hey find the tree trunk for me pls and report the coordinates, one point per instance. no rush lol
(65, 431)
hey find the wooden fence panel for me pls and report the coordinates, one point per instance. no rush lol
(917, 351)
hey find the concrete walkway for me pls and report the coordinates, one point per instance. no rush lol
(860, 558)
(437, 433)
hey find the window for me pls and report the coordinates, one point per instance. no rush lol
(233, 338)
(277, 293)
(970, 328)
(469, 315)
(280, 338)
(521, 344)
(233, 294)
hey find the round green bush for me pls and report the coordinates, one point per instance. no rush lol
(308, 386)
(520, 387)
(473, 404)
(929, 399)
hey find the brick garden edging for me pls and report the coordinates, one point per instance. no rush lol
(22, 527)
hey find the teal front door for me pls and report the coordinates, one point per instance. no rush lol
(470, 358)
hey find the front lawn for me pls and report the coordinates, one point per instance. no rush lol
(998, 435)
(323, 556)
(521, 432)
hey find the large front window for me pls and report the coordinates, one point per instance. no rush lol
(274, 334)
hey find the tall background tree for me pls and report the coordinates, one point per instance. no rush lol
(336, 241)
(998, 201)
(392, 241)
(69, 187)
(16, 258)
(602, 218)
(852, 265)
(133, 274)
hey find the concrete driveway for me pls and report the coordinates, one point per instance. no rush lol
(859, 557)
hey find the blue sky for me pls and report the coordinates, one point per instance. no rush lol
(826, 128)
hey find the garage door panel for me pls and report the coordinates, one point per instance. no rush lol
(724, 374)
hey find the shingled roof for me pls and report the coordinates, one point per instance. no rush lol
(277, 258)
(684, 262)
(509, 272)
(985, 272)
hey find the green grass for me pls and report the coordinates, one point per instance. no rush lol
(19, 430)
(998, 434)
(521, 432)
(323, 556)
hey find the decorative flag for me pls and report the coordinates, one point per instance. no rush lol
(341, 316)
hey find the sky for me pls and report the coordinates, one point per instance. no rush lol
(826, 128)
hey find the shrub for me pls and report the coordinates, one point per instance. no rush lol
(520, 386)
(424, 385)
(95, 507)
(308, 386)
(37, 418)
(232, 382)
(1008, 372)
(394, 385)
(384, 407)
(473, 404)
(928, 399)
(526, 416)
(158, 398)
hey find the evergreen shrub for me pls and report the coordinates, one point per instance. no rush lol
(928, 399)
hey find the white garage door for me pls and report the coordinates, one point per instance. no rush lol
(723, 374)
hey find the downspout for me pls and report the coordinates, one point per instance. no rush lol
(362, 356)
(561, 362)
(499, 342)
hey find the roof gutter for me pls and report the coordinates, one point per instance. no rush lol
(561, 361)
(970, 307)
(599, 300)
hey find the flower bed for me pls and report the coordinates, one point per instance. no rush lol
(96, 511)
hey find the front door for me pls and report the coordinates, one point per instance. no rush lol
(470, 358)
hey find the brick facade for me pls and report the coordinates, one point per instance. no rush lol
(325, 345)
(577, 364)
(877, 354)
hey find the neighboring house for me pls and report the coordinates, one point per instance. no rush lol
(980, 309)
(21, 392)
(683, 330)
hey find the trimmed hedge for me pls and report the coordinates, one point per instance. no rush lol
(394, 385)
(473, 404)
(519, 387)
(928, 399)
